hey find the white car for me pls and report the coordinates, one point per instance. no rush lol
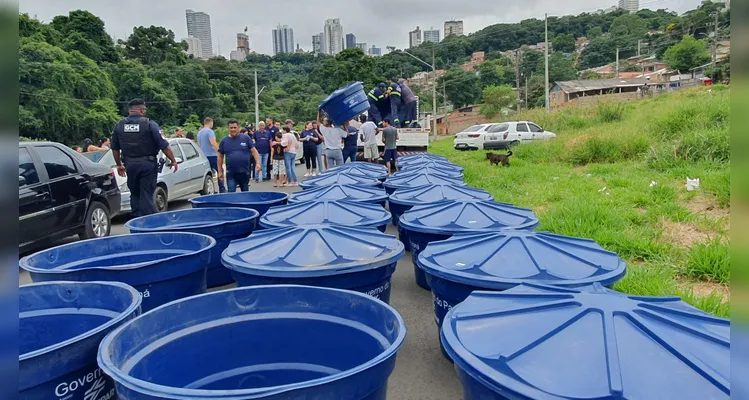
(193, 175)
(502, 135)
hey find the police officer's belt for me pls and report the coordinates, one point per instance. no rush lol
(144, 158)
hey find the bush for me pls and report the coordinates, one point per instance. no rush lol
(610, 111)
(709, 261)
(608, 149)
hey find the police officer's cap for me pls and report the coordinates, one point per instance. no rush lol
(382, 85)
(136, 103)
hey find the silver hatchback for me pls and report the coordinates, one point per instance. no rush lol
(193, 174)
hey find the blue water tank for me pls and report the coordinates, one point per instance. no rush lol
(60, 326)
(161, 266)
(264, 342)
(338, 178)
(506, 258)
(429, 169)
(545, 342)
(366, 194)
(361, 170)
(436, 165)
(222, 224)
(419, 179)
(404, 199)
(258, 201)
(343, 257)
(422, 156)
(345, 103)
(438, 221)
(335, 212)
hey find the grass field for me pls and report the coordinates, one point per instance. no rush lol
(617, 173)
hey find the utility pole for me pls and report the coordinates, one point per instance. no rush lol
(444, 97)
(617, 63)
(517, 79)
(434, 99)
(714, 47)
(526, 93)
(257, 101)
(546, 61)
(639, 41)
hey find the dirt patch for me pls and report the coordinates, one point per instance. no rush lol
(704, 205)
(705, 289)
(682, 234)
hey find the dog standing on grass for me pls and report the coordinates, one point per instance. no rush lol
(496, 159)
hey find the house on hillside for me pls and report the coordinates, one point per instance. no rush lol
(477, 58)
(587, 92)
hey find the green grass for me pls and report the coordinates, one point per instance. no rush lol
(594, 181)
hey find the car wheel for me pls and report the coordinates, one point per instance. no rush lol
(514, 143)
(208, 186)
(97, 223)
(160, 199)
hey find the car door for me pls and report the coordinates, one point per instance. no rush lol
(178, 183)
(69, 186)
(193, 164)
(494, 137)
(536, 132)
(523, 132)
(35, 219)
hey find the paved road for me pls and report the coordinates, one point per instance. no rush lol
(421, 372)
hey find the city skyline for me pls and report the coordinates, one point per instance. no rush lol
(199, 26)
(307, 20)
(333, 39)
(283, 40)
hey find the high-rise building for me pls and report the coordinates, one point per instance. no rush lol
(375, 51)
(333, 36)
(243, 42)
(453, 28)
(432, 35)
(199, 26)
(630, 5)
(362, 46)
(194, 46)
(414, 38)
(283, 40)
(350, 41)
(317, 43)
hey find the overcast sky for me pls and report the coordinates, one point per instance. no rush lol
(380, 22)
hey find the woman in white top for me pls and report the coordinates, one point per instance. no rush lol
(290, 143)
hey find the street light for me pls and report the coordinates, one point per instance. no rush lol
(434, 92)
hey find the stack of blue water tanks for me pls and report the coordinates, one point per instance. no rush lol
(523, 314)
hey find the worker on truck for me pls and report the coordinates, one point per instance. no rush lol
(407, 113)
(377, 103)
(394, 93)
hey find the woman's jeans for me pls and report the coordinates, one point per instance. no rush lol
(320, 164)
(289, 161)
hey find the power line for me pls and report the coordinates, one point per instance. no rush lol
(114, 101)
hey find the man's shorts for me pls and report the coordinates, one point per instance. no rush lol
(390, 155)
(371, 152)
(279, 168)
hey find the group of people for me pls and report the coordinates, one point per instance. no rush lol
(88, 145)
(395, 102)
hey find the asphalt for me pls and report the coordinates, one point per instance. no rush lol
(421, 371)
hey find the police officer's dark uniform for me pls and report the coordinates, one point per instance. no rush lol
(139, 140)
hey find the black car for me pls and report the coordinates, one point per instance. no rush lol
(62, 193)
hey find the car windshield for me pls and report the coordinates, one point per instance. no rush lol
(98, 156)
(474, 128)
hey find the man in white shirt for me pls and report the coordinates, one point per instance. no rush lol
(368, 130)
(333, 137)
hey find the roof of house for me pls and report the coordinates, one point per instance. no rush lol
(599, 84)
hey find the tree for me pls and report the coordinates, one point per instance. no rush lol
(154, 45)
(629, 24)
(564, 43)
(462, 88)
(561, 67)
(497, 99)
(595, 32)
(686, 54)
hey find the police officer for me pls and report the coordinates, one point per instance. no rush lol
(139, 140)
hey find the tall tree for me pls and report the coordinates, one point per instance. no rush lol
(564, 43)
(496, 99)
(462, 88)
(154, 45)
(686, 54)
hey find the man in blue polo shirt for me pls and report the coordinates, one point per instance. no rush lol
(262, 144)
(350, 143)
(237, 149)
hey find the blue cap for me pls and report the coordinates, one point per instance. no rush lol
(338, 179)
(428, 163)
(451, 217)
(435, 193)
(368, 194)
(545, 342)
(359, 171)
(348, 213)
(312, 250)
(421, 179)
(430, 170)
(506, 258)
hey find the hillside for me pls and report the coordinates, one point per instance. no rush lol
(617, 174)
